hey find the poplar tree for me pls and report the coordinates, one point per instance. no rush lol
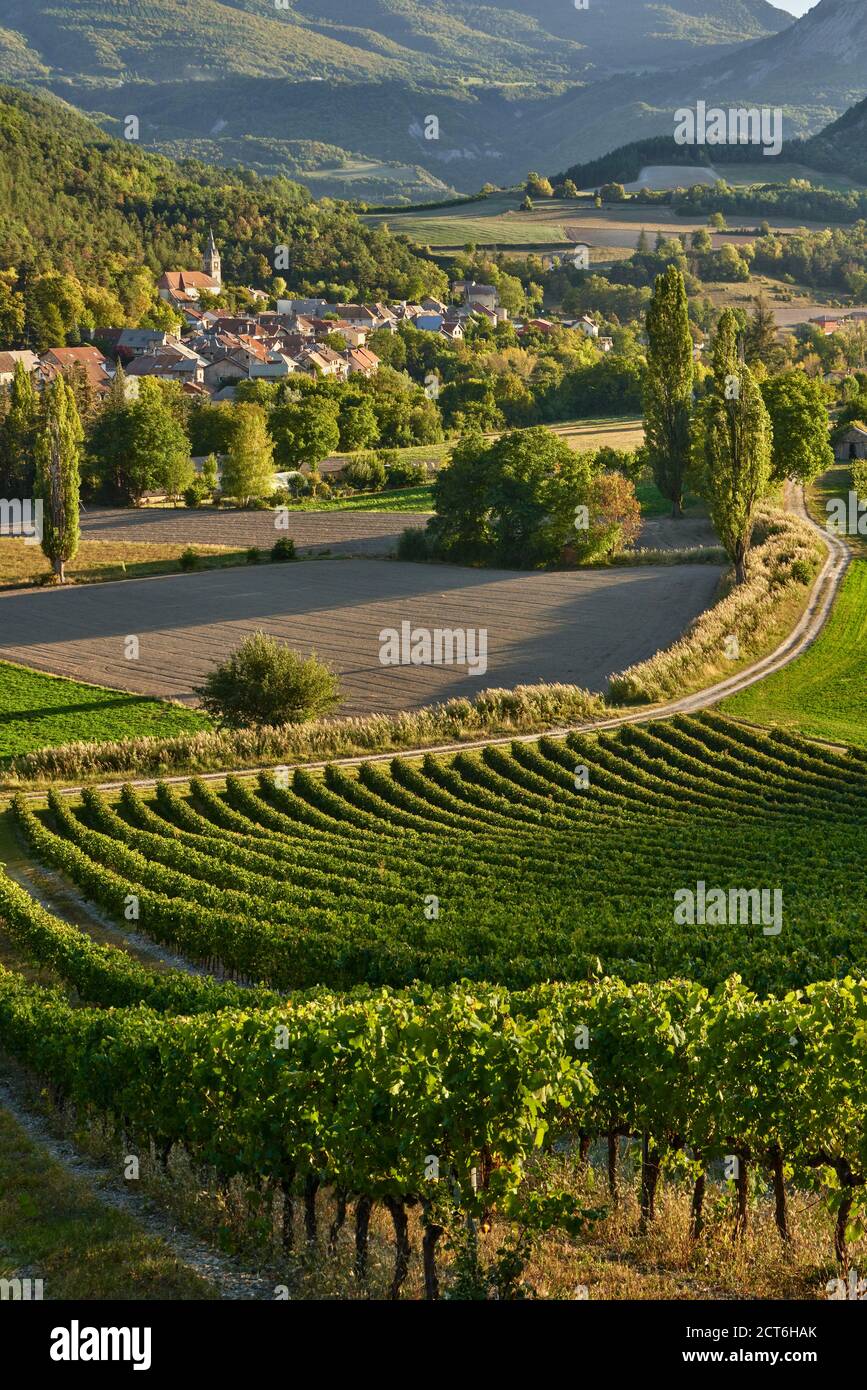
(668, 386)
(18, 435)
(58, 454)
(736, 446)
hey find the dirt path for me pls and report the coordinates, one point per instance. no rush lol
(231, 1281)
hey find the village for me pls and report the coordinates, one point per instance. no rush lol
(310, 337)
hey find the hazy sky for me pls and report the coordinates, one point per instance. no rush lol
(794, 6)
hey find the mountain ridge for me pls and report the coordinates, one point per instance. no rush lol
(541, 85)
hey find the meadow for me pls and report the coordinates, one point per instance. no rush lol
(822, 693)
(556, 223)
(39, 711)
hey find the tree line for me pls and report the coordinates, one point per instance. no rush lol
(745, 434)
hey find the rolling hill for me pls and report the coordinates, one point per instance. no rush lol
(239, 80)
(841, 148)
(74, 199)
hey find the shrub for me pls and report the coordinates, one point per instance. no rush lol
(859, 478)
(366, 473)
(405, 474)
(614, 520)
(413, 545)
(188, 559)
(196, 494)
(265, 682)
(317, 486)
(253, 556)
(284, 549)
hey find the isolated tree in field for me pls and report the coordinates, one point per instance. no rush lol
(668, 386)
(248, 468)
(18, 435)
(736, 446)
(799, 423)
(265, 682)
(538, 186)
(59, 439)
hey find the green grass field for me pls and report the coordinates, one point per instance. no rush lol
(653, 503)
(39, 711)
(407, 499)
(822, 693)
(837, 483)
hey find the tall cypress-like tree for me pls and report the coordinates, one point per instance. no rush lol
(18, 436)
(736, 446)
(58, 455)
(668, 386)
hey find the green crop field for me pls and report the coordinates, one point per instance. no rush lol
(496, 221)
(454, 1046)
(38, 711)
(822, 693)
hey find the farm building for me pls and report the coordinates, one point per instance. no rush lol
(853, 444)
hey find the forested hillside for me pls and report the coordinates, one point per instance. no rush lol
(77, 201)
(841, 148)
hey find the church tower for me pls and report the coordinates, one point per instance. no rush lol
(211, 260)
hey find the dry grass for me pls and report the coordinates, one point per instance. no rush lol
(593, 434)
(526, 709)
(613, 1260)
(24, 566)
(757, 614)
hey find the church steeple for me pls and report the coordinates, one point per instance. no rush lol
(211, 260)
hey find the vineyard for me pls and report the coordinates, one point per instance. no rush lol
(381, 1028)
